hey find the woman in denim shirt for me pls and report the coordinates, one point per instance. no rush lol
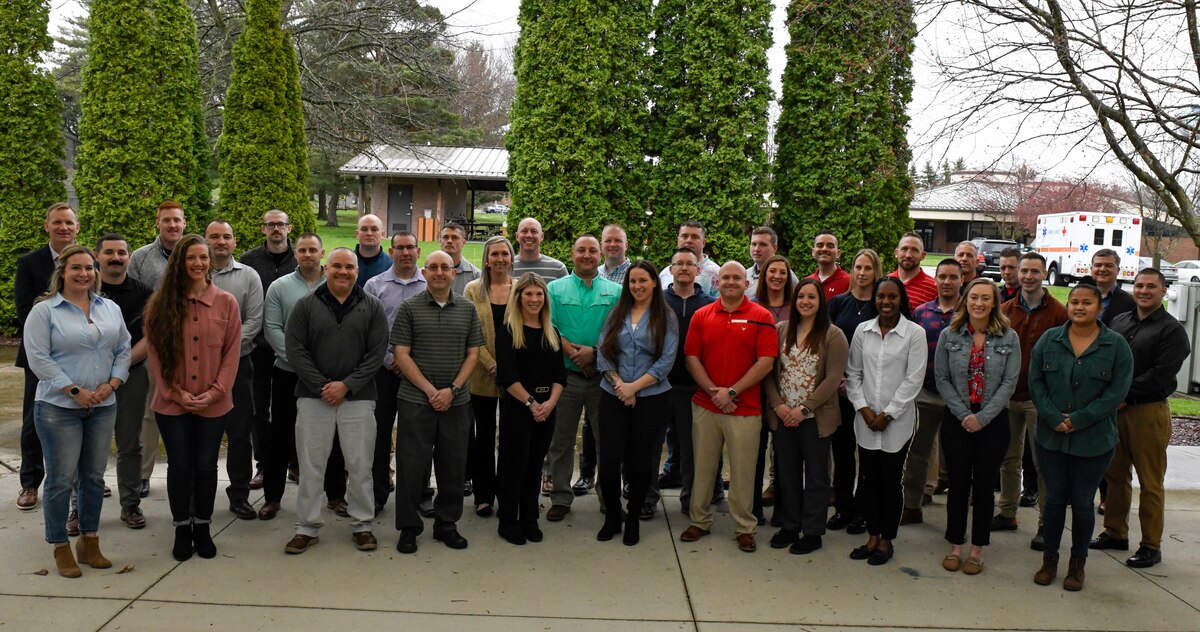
(978, 360)
(636, 352)
(1079, 374)
(79, 349)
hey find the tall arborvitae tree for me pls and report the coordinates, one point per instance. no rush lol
(258, 161)
(31, 143)
(137, 129)
(843, 158)
(577, 156)
(710, 121)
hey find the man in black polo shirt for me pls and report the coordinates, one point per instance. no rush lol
(437, 338)
(1159, 345)
(131, 295)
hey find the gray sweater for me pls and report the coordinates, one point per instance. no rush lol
(322, 350)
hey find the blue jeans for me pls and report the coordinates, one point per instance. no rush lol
(1074, 480)
(74, 440)
(193, 444)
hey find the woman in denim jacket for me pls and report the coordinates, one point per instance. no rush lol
(978, 360)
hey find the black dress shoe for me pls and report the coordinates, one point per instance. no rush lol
(1144, 558)
(451, 538)
(669, 481)
(583, 485)
(762, 520)
(784, 538)
(880, 557)
(648, 511)
(837, 522)
(1002, 523)
(806, 545)
(1105, 541)
(243, 509)
(144, 490)
(408, 541)
(512, 534)
(468, 488)
(625, 490)
(1029, 499)
(857, 526)
(1038, 543)
(860, 553)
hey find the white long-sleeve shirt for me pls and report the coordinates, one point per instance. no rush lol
(885, 373)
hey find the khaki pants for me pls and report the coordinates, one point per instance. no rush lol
(1022, 419)
(1144, 430)
(922, 467)
(739, 435)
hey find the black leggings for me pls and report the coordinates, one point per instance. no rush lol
(523, 446)
(630, 438)
(481, 461)
(973, 461)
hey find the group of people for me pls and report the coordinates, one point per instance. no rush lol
(841, 385)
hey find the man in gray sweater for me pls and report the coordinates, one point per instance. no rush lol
(335, 339)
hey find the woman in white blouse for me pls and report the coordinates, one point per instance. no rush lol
(883, 376)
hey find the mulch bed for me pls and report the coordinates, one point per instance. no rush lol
(1185, 431)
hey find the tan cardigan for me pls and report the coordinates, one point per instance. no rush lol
(481, 382)
(823, 400)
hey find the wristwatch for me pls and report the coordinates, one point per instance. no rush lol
(74, 391)
(455, 389)
(732, 392)
(529, 401)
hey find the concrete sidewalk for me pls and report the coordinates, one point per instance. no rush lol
(572, 582)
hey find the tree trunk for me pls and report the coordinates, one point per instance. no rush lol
(323, 201)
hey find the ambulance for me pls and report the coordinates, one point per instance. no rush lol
(1068, 241)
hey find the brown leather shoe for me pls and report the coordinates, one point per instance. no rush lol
(133, 517)
(257, 481)
(557, 512)
(692, 534)
(87, 551)
(746, 543)
(268, 511)
(364, 540)
(28, 499)
(768, 496)
(911, 516)
(973, 566)
(300, 543)
(65, 562)
(340, 507)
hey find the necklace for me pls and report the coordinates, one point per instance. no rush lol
(862, 304)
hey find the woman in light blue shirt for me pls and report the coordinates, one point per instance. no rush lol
(79, 348)
(636, 351)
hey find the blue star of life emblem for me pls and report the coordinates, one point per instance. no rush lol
(1083, 247)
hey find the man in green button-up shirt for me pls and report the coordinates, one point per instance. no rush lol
(579, 304)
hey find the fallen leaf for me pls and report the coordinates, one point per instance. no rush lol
(127, 569)
(42, 572)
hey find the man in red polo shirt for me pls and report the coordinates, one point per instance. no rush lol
(825, 252)
(920, 287)
(731, 346)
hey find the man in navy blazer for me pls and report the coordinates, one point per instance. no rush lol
(33, 278)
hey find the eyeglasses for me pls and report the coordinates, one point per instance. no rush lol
(684, 264)
(274, 225)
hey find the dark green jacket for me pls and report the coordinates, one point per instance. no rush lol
(1088, 389)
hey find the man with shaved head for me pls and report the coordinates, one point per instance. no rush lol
(436, 337)
(372, 260)
(529, 253)
(730, 347)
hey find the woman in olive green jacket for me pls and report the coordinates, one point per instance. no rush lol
(489, 293)
(1079, 374)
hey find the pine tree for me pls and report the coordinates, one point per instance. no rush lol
(843, 156)
(31, 145)
(263, 125)
(137, 131)
(709, 124)
(577, 143)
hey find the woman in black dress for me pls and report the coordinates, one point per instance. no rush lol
(530, 369)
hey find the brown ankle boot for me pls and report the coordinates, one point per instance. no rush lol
(87, 548)
(1048, 571)
(1074, 578)
(65, 561)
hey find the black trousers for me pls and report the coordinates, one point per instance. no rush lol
(760, 470)
(239, 425)
(33, 470)
(631, 440)
(263, 358)
(587, 450)
(193, 445)
(523, 446)
(281, 443)
(802, 477)
(879, 490)
(844, 447)
(387, 384)
(481, 457)
(973, 461)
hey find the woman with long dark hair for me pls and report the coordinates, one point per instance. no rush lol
(775, 287)
(78, 347)
(1079, 373)
(883, 376)
(978, 361)
(490, 295)
(530, 369)
(802, 406)
(636, 351)
(194, 331)
(847, 311)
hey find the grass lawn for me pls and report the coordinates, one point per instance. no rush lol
(1185, 405)
(343, 236)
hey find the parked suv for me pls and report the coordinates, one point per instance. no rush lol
(989, 255)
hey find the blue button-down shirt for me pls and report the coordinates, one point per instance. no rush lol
(391, 290)
(62, 350)
(637, 354)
